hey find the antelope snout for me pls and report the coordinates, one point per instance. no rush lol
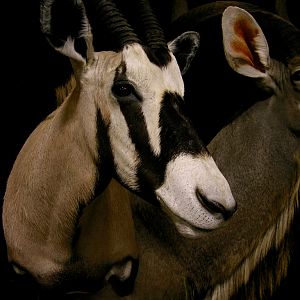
(195, 194)
(218, 208)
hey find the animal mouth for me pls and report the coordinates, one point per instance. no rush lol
(213, 207)
(184, 227)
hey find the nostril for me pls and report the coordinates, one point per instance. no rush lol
(215, 207)
(229, 212)
(122, 276)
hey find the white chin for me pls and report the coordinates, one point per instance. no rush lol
(183, 227)
(187, 231)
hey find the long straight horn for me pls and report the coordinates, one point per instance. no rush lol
(115, 22)
(154, 34)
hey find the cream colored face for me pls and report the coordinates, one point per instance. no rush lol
(155, 150)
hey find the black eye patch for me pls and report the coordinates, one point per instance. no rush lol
(122, 89)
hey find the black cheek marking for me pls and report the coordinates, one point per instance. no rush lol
(133, 115)
(151, 169)
(105, 163)
(177, 133)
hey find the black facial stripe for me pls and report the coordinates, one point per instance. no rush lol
(132, 112)
(150, 171)
(177, 133)
(104, 165)
(177, 136)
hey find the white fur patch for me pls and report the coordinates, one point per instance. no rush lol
(151, 110)
(125, 155)
(68, 49)
(186, 174)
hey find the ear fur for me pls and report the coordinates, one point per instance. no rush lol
(184, 48)
(53, 15)
(246, 48)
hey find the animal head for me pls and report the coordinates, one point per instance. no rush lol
(247, 52)
(225, 102)
(257, 152)
(124, 116)
(138, 92)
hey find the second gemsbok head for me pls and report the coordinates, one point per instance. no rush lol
(124, 119)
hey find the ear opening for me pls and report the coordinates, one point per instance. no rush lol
(67, 29)
(245, 46)
(184, 48)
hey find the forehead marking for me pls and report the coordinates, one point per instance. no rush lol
(151, 82)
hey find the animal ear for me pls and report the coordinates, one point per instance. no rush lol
(246, 48)
(184, 48)
(67, 29)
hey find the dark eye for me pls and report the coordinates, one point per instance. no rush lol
(296, 76)
(122, 89)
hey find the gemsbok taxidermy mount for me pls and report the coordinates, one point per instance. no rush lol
(259, 153)
(124, 119)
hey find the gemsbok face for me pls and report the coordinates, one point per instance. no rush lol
(155, 150)
(123, 117)
(259, 153)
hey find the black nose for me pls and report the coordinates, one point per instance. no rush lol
(122, 276)
(215, 207)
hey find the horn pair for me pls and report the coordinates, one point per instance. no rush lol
(118, 25)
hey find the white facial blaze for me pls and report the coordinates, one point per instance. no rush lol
(184, 175)
(151, 110)
(124, 152)
(172, 77)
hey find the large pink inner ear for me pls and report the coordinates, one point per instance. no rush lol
(245, 45)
